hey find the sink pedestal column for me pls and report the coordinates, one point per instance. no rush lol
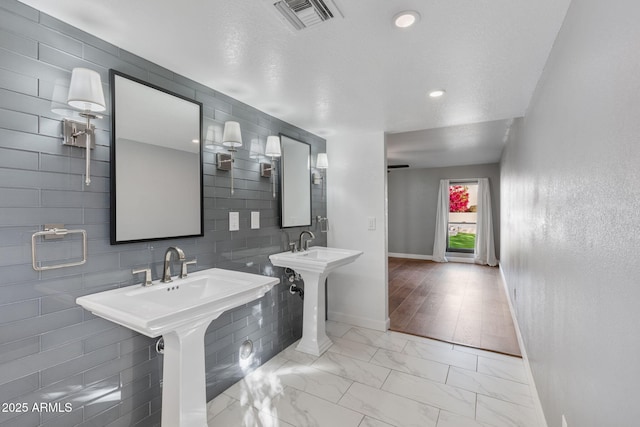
(184, 397)
(314, 338)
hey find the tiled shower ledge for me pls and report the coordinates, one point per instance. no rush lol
(375, 379)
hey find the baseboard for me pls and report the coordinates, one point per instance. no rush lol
(378, 325)
(468, 260)
(460, 259)
(538, 405)
(411, 256)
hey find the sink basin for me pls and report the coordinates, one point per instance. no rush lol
(314, 265)
(180, 311)
(317, 259)
(165, 307)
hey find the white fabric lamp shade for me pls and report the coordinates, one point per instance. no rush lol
(231, 136)
(256, 149)
(85, 91)
(273, 146)
(321, 161)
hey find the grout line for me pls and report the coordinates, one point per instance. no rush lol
(438, 418)
(387, 377)
(431, 405)
(475, 413)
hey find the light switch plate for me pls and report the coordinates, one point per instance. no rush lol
(234, 221)
(255, 220)
(372, 223)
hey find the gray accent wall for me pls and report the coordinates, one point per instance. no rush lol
(413, 199)
(51, 350)
(570, 219)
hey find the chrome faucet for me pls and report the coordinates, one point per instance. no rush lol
(304, 244)
(166, 277)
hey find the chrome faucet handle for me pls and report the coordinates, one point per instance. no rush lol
(293, 246)
(147, 276)
(183, 270)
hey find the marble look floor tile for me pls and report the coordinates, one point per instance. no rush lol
(449, 419)
(314, 381)
(442, 396)
(219, 404)
(379, 339)
(302, 409)
(442, 355)
(388, 407)
(372, 422)
(336, 329)
(509, 391)
(513, 370)
(412, 365)
(261, 385)
(353, 369)
(291, 353)
(499, 413)
(352, 349)
(238, 415)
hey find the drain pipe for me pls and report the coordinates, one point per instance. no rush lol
(294, 277)
(293, 289)
(160, 345)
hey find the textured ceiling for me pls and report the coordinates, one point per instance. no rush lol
(352, 73)
(471, 144)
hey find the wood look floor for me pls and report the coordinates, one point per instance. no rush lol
(453, 302)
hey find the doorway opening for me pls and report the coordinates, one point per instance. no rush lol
(463, 217)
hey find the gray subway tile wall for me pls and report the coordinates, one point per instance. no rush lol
(51, 350)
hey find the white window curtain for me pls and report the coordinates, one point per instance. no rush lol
(485, 252)
(442, 222)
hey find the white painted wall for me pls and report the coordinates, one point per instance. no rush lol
(356, 190)
(571, 219)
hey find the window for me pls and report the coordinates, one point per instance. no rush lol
(463, 206)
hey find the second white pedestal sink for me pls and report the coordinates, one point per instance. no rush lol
(314, 265)
(180, 311)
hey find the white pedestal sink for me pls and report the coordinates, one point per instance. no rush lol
(314, 265)
(180, 311)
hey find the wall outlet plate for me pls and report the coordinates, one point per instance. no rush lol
(234, 221)
(255, 220)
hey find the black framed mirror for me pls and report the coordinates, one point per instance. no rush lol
(156, 162)
(295, 178)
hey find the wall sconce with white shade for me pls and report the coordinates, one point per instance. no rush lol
(86, 95)
(231, 138)
(272, 150)
(256, 151)
(321, 164)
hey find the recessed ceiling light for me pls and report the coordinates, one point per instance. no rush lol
(195, 141)
(437, 93)
(406, 19)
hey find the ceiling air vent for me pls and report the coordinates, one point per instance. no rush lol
(303, 14)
